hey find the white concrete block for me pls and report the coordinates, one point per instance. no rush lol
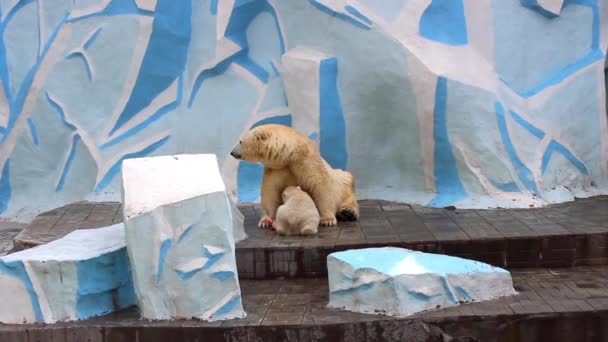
(84, 274)
(400, 282)
(180, 238)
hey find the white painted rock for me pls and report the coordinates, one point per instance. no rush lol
(84, 274)
(400, 282)
(180, 238)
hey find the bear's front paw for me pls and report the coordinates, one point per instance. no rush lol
(266, 222)
(328, 221)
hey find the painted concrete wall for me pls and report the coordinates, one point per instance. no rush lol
(470, 103)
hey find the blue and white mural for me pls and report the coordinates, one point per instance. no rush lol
(472, 103)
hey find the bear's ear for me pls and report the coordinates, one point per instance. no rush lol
(261, 135)
(298, 187)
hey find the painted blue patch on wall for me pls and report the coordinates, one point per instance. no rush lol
(165, 57)
(555, 146)
(68, 163)
(32, 125)
(107, 178)
(5, 186)
(447, 181)
(595, 54)
(249, 175)
(506, 187)
(524, 174)
(331, 119)
(444, 21)
(535, 6)
(344, 17)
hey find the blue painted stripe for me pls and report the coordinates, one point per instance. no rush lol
(87, 67)
(275, 69)
(447, 291)
(162, 258)
(523, 172)
(107, 179)
(68, 163)
(217, 70)
(17, 269)
(254, 68)
(92, 39)
(243, 14)
(352, 290)
(594, 55)
(211, 258)
(248, 180)
(537, 132)
(444, 21)
(228, 307)
(249, 175)
(463, 293)
(61, 112)
(594, 4)
(4, 73)
(534, 5)
(506, 187)
(185, 234)
(447, 180)
(32, 125)
(323, 8)
(187, 275)
(167, 50)
(5, 186)
(332, 126)
(115, 8)
(350, 9)
(421, 296)
(213, 7)
(223, 275)
(556, 78)
(555, 146)
(131, 132)
(16, 105)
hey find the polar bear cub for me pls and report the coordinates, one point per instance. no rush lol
(298, 215)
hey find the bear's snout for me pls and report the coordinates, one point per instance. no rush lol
(236, 152)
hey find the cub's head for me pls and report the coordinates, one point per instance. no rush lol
(289, 192)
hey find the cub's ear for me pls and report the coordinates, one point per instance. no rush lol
(298, 187)
(261, 135)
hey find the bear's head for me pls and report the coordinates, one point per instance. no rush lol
(289, 192)
(273, 145)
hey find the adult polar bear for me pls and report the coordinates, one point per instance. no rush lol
(291, 159)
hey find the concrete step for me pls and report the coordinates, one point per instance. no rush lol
(555, 305)
(565, 235)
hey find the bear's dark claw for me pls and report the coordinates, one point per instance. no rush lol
(347, 214)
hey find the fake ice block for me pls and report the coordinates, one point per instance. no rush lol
(84, 274)
(180, 238)
(400, 282)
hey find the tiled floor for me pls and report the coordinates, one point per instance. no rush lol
(568, 234)
(380, 222)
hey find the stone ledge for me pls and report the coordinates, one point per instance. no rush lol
(559, 305)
